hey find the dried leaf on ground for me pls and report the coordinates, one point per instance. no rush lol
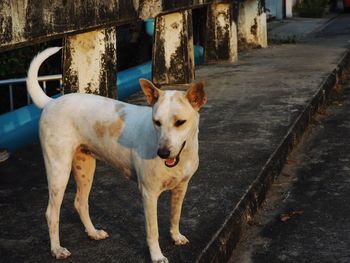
(286, 216)
(291, 161)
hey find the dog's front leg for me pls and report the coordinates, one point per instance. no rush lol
(150, 201)
(177, 197)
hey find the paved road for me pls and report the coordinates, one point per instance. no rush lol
(312, 195)
(341, 25)
(315, 185)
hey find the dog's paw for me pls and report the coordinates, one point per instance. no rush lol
(98, 235)
(161, 260)
(180, 240)
(60, 253)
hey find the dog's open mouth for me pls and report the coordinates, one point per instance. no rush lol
(174, 161)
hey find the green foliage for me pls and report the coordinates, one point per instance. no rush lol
(311, 8)
(15, 63)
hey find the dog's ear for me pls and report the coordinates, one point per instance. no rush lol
(152, 92)
(196, 95)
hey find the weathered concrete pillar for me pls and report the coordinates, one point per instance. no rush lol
(90, 63)
(221, 37)
(173, 58)
(252, 29)
(289, 8)
(148, 8)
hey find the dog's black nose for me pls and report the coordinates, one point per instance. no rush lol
(163, 153)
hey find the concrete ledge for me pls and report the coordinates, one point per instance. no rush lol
(220, 247)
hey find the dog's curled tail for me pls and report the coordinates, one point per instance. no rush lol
(38, 96)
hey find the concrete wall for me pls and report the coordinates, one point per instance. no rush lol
(90, 40)
(252, 28)
(221, 34)
(27, 21)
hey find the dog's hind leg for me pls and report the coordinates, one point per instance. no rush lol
(83, 169)
(58, 168)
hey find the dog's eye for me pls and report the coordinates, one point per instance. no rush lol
(178, 123)
(157, 123)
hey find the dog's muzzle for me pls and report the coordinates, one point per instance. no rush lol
(174, 161)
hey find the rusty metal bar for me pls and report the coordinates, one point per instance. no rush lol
(11, 97)
(10, 82)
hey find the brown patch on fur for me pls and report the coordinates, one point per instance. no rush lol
(80, 158)
(116, 127)
(78, 167)
(177, 192)
(170, 183)
(175, 200)
(83, 175)
(99, 129)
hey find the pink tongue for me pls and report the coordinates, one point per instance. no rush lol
(170, 161)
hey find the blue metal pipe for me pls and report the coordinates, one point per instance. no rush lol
(20, 127)
(128, 80)
(149, 26)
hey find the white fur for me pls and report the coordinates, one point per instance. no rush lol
(77, 128)
(38, 96)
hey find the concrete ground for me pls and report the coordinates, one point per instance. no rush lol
(311, 196)
(294, 29)
(251, 106)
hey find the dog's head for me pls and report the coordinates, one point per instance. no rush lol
(175, 117)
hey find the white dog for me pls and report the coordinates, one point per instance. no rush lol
(159, 144)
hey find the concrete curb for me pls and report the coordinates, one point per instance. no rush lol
(221, 245)
(323, 26)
